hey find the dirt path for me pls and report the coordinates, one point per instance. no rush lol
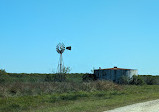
(150, 106)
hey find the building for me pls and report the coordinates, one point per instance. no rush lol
(114, 74)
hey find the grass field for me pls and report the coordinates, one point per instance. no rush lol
(40, 93)
(106, 96)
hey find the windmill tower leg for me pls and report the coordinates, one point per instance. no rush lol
(60, 63)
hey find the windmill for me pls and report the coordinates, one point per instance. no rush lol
(60, 48)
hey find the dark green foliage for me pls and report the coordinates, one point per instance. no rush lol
(49, 78)
(150, 80)
(3, 72)
(89, 77)
(145, 79)
(124, 80)
(23, 77)
(3, 79)
(3, 76)
(137, 80)
(73, 77)
(55, 78)
(76, 77)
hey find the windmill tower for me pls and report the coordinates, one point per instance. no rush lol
(60, 48)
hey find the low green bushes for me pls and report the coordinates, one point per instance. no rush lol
(35, 77)
(73, 77)
(137, 80)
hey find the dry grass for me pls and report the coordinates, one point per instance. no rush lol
(39, 88)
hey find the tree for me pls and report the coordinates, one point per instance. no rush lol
(3, 72)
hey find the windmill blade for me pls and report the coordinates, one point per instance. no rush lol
(68, 48)
(60, 48)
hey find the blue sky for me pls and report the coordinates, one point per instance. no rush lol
(102, 33)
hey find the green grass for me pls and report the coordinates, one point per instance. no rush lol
(79, 101)
(42, 93)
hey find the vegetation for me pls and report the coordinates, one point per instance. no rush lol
(140, 80)
(44, 92)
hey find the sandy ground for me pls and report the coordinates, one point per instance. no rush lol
(150, 106)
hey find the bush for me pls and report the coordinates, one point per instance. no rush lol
(150, 80)
(36, 88)
(49, 78)
(3, 72)
(137, 80)
(89, 77)
(55, 78)
(124, 80)
(4, 79)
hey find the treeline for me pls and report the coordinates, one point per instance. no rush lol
(38, 77)
(72, 77)
(141, 80)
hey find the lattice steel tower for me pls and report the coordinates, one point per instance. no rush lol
(60, 48)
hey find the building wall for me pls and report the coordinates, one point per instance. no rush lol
(114, 75)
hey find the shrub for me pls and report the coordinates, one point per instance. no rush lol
(137, 80)
(4, 79)
(49, 78)
(89, 77)
(3, 72)
(36, 88)
(150, 80)
(55, 78)
(124, 80)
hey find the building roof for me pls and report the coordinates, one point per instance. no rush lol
(115, 68)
